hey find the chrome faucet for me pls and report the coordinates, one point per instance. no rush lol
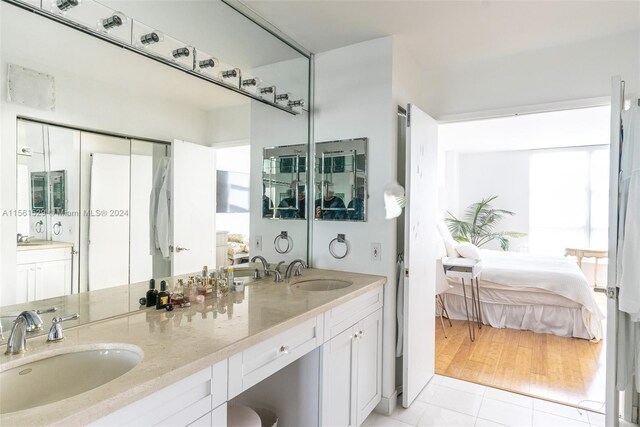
(17, 342)
(265, 264)
(277, 273)
(56, 333)
(301, 265)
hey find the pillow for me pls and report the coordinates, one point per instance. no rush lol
(236, 237)
(450, 245)
(441, 249)
(468, 250)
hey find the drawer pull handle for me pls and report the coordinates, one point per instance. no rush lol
(360, 334)
(284, 349)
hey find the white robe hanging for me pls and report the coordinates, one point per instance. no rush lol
(160, 208)
(628, 256)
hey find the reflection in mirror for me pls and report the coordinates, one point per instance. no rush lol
(114, 108)
(284, 177)
(341, 180)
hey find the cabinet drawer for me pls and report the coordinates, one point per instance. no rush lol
(348, 314)
(262, 360)
(191, 395)
(43, 255)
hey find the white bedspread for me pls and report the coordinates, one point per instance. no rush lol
(555, 274)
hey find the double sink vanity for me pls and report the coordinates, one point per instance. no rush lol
(308, 349)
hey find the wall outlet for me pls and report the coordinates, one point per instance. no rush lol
(257, 243)
(376, 252)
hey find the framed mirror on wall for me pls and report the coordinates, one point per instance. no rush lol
(101, 144)
(284, 176)
(341, 180)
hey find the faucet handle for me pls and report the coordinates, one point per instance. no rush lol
(299, 269)
(56, 333)
(278, 278)
(278, 266)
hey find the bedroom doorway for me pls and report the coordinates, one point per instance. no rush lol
(528, 195)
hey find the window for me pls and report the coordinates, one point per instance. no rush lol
(568, 199)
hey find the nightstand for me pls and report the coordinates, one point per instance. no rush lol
(467, 269)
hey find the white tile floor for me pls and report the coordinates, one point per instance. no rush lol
(448, 402)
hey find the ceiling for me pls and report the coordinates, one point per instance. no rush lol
(449, 32)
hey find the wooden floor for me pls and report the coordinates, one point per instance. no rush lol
(565, 370)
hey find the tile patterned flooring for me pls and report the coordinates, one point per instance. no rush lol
(449, 402)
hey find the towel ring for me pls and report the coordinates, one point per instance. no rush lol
(283, 236)
(339, 239)
(39, 227)
(57, 228)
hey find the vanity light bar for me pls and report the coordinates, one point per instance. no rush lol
(251, 87)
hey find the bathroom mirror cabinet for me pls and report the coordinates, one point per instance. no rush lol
(341, 180)
(84, 158)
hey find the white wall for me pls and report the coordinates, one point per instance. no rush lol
(504, 174)
(353, 98)
(570, 72)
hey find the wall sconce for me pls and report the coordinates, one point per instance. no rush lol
(151, 38)
(207, 63)
(116, 20)
(181, 52)
(64, 5)
(296, 103)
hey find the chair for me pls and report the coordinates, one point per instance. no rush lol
(442, 286)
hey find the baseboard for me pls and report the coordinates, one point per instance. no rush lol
(387, 404)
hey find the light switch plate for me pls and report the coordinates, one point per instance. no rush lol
(376, 253)
(258, 243)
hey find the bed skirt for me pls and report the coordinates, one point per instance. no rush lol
(546, 319)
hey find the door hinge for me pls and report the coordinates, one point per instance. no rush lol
(612, 292)
(406, 272)
(408, 117)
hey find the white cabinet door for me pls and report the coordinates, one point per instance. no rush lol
(25, 283)
(339, 380)
(369, 364)
(53, 279)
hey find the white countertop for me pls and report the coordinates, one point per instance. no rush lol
(182, 342)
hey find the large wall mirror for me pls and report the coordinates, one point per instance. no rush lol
(341, 180)
(81, 173)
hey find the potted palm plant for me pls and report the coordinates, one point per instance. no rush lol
(478, 224)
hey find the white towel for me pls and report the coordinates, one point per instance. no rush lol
(400, 307)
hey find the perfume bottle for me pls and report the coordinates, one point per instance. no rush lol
(230, 278)
(205, 272)
(152, 293)
(163, 296)
(177, 296)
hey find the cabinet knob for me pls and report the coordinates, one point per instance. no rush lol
(284, 349)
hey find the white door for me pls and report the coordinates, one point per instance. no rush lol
(369, 364)
(339, 380)
(193, 197)
(419, 253)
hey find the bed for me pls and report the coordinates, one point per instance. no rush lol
(546, 294)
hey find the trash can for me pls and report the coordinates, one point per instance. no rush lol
(267, 417)
(242, 416)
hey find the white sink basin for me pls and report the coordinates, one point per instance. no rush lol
(321, 285)
(64, 375)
